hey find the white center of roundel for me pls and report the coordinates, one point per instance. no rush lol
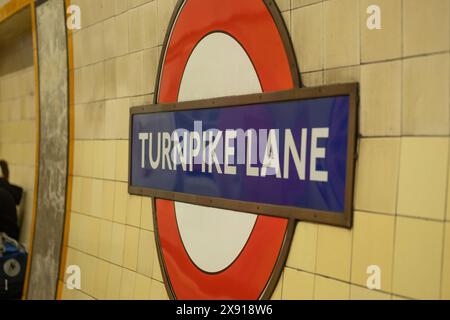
(218, 67)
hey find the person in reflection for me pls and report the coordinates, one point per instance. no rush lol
(10, 197)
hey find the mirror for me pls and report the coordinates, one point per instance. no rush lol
(18, 139)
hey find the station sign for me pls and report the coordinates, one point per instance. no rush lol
(289, 152)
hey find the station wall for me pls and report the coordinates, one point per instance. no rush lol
(402, 215)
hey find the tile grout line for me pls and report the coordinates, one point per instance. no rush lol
(348, 283)
(397, 59)
(315, 261)
(400, 152)
(353, 215)
(114, 264)
(446, 213)
(444, 224)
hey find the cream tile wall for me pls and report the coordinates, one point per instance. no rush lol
(18, 122)
(116, 55)
(402, 184)
(401, 219)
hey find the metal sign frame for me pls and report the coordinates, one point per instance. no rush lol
(331, 218)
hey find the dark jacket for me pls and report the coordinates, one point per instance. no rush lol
(8, 215)
(16, 192)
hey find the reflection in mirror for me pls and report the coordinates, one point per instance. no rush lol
(17, 149)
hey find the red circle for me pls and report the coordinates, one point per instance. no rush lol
(252, 25)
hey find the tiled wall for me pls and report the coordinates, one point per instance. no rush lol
(401, 220)
(111, 238)
(18, 123)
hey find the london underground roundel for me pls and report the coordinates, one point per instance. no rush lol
(221, 48)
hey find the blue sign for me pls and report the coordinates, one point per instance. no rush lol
(287, 154)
